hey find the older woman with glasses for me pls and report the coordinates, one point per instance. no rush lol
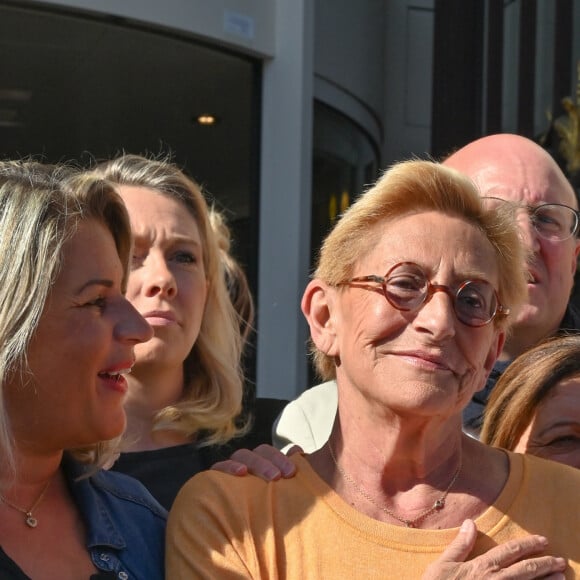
(397, 479)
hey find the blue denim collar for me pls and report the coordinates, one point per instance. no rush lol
(100, 527)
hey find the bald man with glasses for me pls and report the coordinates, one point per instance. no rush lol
(514, 170)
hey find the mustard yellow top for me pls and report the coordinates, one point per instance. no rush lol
(229, 527)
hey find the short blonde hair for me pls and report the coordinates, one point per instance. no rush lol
(524, 385)
(213, 378)
(412, 187)
(40, 209)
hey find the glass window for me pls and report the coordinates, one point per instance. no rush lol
(344, 161)
(77, 87)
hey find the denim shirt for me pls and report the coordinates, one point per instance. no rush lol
(125, 526)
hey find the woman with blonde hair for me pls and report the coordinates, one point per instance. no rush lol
(67, 339)
(185, 390)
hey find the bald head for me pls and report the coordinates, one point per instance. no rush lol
(516, 169)
(512, 162)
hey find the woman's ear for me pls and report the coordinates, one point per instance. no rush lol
(494, 351)
(317, 306)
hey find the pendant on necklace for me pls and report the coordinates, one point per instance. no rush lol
(439, 504)
(30, 520)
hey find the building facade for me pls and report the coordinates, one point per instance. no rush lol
(309, 100)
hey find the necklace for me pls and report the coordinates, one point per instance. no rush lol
(438, 505)
(29, 520)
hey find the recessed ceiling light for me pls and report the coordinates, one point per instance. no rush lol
(206, 119)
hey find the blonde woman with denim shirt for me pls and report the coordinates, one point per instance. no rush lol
(68, 337)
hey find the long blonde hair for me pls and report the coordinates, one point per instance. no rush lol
(236, 280)
(213, 388)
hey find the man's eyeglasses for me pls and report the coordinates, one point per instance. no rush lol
(552, 221)
(406, 288)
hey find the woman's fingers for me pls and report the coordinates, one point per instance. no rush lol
(518, 559)
(230, 467)
(538, 567)
(515, 550)
(264, 461)
(294, 449)
(462, 545)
